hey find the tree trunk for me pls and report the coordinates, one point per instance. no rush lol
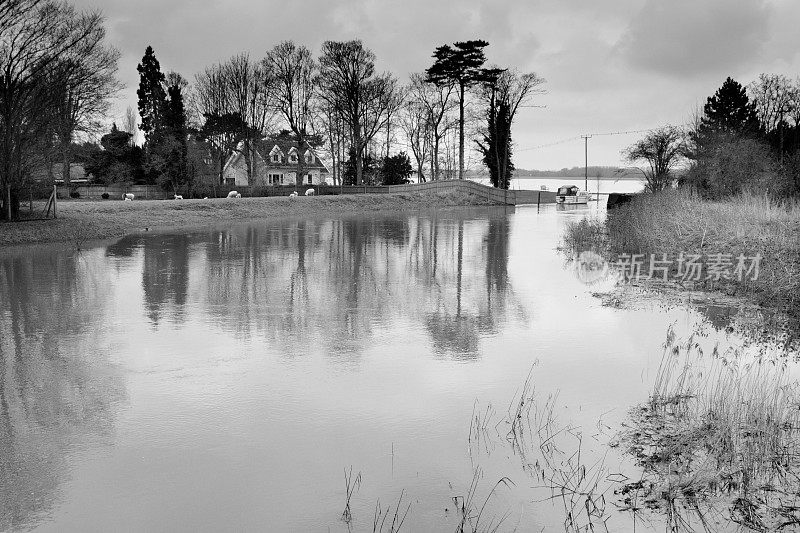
(358, 153)
(435, 159)
(66, 162)
(461, 134)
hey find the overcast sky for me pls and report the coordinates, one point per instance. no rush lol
(610, 65)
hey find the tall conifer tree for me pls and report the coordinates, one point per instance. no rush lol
(459, 64)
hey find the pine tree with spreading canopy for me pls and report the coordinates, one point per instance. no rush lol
(460, 64)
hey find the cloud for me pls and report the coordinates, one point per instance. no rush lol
(684, 38)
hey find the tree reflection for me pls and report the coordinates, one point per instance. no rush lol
(55, 384)
(336, 282)
(165, 276)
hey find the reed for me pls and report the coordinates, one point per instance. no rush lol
(381, 515)
(351, 485)
(720, 431)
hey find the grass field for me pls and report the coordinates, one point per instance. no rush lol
(82, 220)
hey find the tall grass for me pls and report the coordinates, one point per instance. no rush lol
(678, 221)
(720, 432)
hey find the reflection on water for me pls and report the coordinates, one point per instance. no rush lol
(352, 275)
(54, 384)
(223, 379)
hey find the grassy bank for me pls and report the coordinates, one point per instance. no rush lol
(677, 222)
(79, 221)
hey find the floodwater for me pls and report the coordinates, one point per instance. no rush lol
(226, 379)
(602, 186)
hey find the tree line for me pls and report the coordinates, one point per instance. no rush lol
(58, 78)
(746, 138)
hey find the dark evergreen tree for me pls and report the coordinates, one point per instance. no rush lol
(496, 145)
(396, 169)
(729, 111)
(460, 64)
(152, 103)
(175, 172)
(151, 93)
(115, 160)
(350, 175)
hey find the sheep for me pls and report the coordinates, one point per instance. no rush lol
(238, 195)
(128, 196)
(234, 194)
(309, 192)
(178, 197)
(127, 199)
(293, 195)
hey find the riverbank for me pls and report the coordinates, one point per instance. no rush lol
(765, 233)
(80, 220)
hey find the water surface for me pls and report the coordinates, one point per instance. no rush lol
(225, 379)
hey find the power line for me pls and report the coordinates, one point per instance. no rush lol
(577, 137)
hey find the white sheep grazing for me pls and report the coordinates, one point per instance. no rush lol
(127, 199)
(238, 195)
(293, 195)
(309, 192)
(234, 194)
(178, 197)
(128, 196)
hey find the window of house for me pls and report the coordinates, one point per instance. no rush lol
(310, 179)
(293, 158)
(275, 179)
(309, 158)
(276, 158)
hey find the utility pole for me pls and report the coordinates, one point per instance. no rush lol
(586, 161)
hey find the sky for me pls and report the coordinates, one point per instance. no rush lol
(610, 65)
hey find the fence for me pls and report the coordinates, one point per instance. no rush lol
(153, 192)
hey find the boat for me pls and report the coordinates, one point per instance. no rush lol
(571, 194)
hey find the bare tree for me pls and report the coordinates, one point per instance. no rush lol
(37, 39)
(290, 74)
(772, 96)
(440, 105)
(333, 129)
(229, 105)
(129, 124)
(416, 127)
(213, 115)
(662, 149)
(246, 84)
(83, 91)
(365, 100)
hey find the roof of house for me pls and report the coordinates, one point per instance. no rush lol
(265, 147)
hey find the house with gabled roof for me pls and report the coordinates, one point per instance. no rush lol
(276, 162)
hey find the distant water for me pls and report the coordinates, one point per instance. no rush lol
(604, 186)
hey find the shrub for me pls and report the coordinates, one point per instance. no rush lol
(74, 194)
(104, 196)
(728, 166)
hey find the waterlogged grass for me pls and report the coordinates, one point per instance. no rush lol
(80, 220)
(718, 442)
(676, 222)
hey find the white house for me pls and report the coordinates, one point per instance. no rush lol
(276, 162)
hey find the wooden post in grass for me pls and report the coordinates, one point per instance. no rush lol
(55, 200)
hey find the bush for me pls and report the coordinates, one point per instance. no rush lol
(74, 194)
(728, 166)
(104, 196)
